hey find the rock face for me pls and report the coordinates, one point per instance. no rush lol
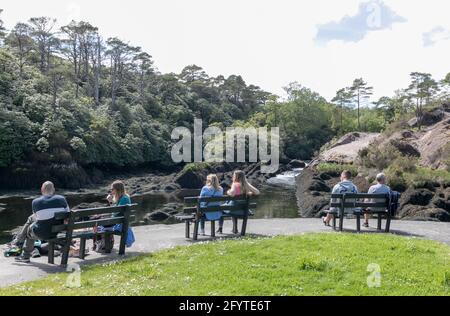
(424, 204)
(426, 144)
(295, 164)
(431, 203)
(346, 149)
(195, 179)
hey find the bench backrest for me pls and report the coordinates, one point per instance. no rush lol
(80, 219)
(215, 204)
(352, 200)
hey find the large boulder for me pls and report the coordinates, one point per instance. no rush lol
(416, 212)
(428, 118)
(191, 179)
(346, 150)
(157, 216)
(295, 164)
(405, 148)
(420, 197)
(319, 186)
(311, 203)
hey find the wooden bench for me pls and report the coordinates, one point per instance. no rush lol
(74, 224)
(361, 203)
(196, 207)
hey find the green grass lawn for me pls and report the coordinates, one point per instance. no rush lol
(311, 264)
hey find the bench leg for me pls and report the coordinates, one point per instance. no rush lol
(65, 253)
(195, 237)
(388, 223)
(188, 227)
(51, 252)
(244, 226)
(108, 245)
(379, 221)
(341, 222)
(334, 222)
(213, 229)
(358, 222)
(82, 248)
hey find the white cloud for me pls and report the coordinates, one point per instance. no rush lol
(437, 34)
(270, 43)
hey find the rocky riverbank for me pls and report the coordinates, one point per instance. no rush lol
(419, 155)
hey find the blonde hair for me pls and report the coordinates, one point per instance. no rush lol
(120, 190)
(213, 181)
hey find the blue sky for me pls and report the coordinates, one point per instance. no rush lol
(322, 44)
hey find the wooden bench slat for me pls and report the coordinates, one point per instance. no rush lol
(359, 196)
(216, 199)
(100, 211)
(359, 204)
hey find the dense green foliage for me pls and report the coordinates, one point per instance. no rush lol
(68, 97)
(311, 264)
(335, 170)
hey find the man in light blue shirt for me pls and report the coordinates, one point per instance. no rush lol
(379, 188)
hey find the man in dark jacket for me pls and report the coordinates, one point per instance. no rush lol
(39, 225)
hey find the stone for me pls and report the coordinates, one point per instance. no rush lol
(415, 212)
(295, 164)
(190, 179)
(319, 186)
(157, 216)
(405, 148)
(421, 197)
(170, 187)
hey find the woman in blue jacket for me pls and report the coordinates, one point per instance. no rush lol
(211, 189)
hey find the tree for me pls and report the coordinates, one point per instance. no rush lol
(20, 40)
(342, 98)
(445, 87)
(193, 73)
(81, 46)
(144, 68)
(2, 29)
(42, 33)
(360, 92)
(120, 54)
(233, 87)
(421, 89)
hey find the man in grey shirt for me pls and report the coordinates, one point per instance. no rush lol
(379, 188)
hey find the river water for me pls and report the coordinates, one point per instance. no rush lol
(276, 201)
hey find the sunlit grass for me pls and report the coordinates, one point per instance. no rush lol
(311, 264)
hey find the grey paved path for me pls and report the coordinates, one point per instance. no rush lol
(153, 238)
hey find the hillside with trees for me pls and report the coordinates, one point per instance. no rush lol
(74, 105)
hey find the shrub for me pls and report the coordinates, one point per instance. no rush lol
(397, 171)
(197, 166)
(335, 170)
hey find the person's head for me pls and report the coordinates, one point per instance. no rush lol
(48, 188)
(239, 177)
(213, 181)
(346, 175)
(381, 178)
(118, 190)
